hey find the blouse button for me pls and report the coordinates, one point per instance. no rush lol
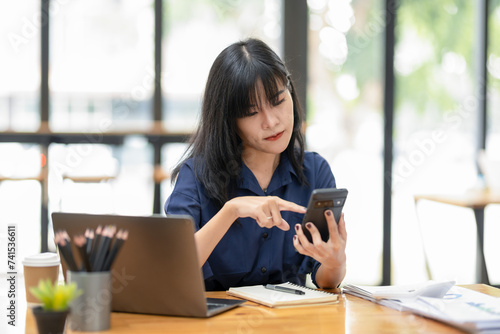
(265, 235)
(263, 270)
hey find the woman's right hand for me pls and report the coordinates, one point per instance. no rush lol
(266, 210)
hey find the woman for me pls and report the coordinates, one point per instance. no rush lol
(246, 179)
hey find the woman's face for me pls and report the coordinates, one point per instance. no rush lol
(269, 126)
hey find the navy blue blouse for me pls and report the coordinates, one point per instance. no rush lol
(249, 254)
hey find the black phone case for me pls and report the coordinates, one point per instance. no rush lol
(320, 201)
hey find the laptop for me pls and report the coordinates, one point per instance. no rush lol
(156, 270)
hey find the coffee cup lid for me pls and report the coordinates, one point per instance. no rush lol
(42, 260)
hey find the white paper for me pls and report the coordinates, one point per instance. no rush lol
(460, 307)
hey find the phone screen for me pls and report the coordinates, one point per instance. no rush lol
(320, 201)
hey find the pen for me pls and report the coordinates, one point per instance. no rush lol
(283, 289)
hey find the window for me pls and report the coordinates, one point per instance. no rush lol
(101, 65)
(492, 212)
(20, 198)
(345, 119)
(20, 65)
(195, 33)
(435, 137)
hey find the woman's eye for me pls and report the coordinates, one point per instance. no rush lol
(278, 102)
(251, 112)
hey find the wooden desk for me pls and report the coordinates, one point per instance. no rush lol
(476, 200)
(350, 315)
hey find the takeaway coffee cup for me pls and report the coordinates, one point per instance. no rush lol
(37, 267)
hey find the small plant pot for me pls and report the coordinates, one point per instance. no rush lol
(53, 322)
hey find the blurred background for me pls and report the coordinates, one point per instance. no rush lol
(109, 67)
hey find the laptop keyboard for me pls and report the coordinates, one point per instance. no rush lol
(213, 306)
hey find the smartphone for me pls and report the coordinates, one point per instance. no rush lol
(320, 201)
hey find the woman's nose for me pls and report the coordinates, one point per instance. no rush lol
(270, 117)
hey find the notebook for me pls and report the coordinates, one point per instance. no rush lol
(156, 270)
(259, 294)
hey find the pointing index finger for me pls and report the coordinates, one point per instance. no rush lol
(290, 206)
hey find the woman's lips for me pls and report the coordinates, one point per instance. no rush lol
(275, 137)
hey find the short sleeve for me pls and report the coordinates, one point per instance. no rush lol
(186, 199)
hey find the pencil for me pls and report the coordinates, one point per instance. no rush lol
(89, 235)
(97, 240)
(64, 250)
(121, 237)
(81, 244)
(107, 235)
(69, 249)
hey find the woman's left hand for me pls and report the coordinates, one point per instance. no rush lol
(330, 254)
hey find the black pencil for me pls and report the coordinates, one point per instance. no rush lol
(121, 237)
(107, 235)
(95, 244)
(81, 244)
(69, 249)
(89, 235)
(64, 250)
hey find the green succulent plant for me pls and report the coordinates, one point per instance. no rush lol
(55, 297)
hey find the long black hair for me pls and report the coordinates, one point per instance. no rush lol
(229, 93)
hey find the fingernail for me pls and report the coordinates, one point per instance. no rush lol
(295, 237)
(309, 225)
(297, 227)
(328, 213)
